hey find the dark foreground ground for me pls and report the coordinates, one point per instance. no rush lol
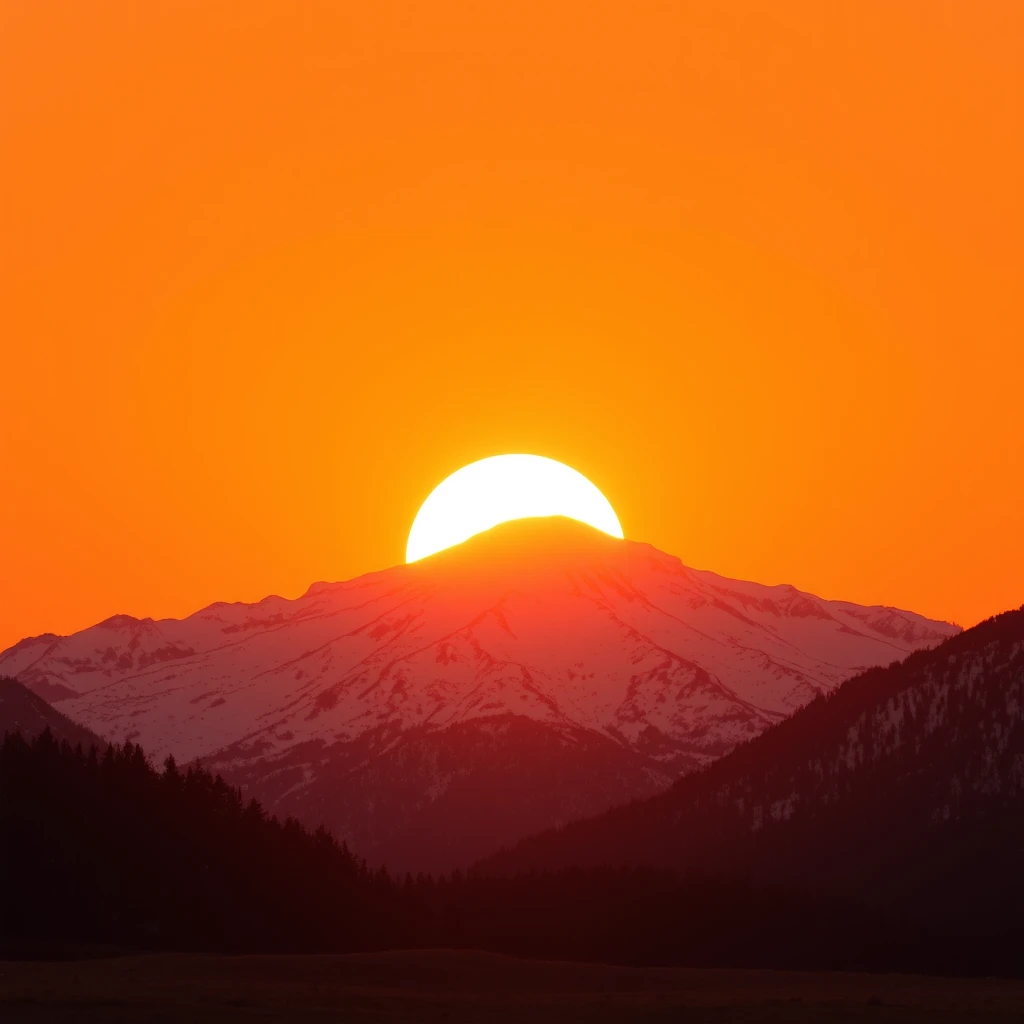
(454, 986)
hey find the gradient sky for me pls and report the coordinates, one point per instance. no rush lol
(270, 271)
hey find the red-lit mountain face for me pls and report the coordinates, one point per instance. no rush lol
(434, 711)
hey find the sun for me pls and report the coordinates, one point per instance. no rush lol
(503, 487)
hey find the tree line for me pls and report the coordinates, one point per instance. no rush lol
(101, 848)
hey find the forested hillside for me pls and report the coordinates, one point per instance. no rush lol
(900, 766)
(103, 848)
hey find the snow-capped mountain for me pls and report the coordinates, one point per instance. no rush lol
(433, 711)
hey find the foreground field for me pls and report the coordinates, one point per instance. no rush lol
(457, 986)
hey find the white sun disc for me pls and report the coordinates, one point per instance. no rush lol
(503, 487)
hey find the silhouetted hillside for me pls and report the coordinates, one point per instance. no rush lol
(882, 781)
(23, 711)
(103, 848)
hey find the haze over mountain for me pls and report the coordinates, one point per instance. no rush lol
(431, 712)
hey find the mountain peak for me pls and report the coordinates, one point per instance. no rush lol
(555, 531)
(531, 543)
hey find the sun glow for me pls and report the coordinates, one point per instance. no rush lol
(503, 487)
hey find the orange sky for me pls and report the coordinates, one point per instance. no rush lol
(270, 271)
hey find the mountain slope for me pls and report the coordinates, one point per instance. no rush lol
(897, 778)
(539, 635)
(27, 713)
